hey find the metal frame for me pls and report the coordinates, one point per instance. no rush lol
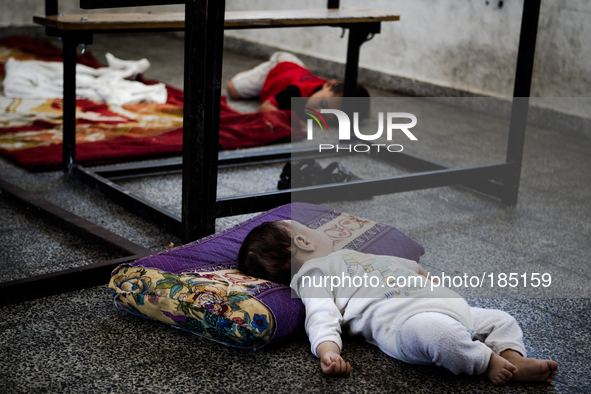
(205, 23)
(73, 278)
(61, 281)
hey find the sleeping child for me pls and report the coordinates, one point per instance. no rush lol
(284, 76)
(413, 323)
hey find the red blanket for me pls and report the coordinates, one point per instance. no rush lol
(31, 136)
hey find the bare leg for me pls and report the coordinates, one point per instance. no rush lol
(531, 369)
(232, 92)
(248, 84)
(500, 370)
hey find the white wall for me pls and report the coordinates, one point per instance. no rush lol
(463, 44)
(468, 45)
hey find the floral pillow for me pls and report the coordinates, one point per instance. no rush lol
(202, 303)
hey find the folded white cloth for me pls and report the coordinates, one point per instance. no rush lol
(40, 79)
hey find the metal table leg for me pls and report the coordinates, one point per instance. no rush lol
(69, 105)
(204, 34)
(521, 92)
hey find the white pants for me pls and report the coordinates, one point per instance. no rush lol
(249, 84)
(436, 338)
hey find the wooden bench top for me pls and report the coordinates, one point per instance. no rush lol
(233, 19)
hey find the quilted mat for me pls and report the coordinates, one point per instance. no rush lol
(31, 129)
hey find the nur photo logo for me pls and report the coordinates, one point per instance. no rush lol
(390, 122)
(314, 115)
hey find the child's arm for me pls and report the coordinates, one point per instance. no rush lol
(414, 266)
(267, 106)
(427, 275)
(323, 323)
(331, 361)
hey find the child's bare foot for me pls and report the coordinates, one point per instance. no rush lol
(500, 370)
(531, 369)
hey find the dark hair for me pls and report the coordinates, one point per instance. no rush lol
(266, 253)
(362, 106)
(339, 90)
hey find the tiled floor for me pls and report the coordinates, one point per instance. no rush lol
(79, 341)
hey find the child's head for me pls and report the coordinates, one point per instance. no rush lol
(266, 252)
(269, 250)
(327, 97)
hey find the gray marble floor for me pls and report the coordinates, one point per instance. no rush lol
(79, 341)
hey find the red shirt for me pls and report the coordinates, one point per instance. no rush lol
(285, 74)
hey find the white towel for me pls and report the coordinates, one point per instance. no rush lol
(40, 79)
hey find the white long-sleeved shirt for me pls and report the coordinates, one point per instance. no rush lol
(42, 79)
(361, 293)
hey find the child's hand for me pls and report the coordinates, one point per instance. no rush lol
(333, 364)
(331, 361)
(427, 275)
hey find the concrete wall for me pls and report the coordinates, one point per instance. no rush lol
(469, 45)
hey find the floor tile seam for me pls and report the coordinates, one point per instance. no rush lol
(54, 195)
(577, 387)
(114, 223)
(567, 384)
(533, 325)
(543, 260)
(33, 219)
(526, 301)
(540, 326)
(571, 316)
(431, 228)
(467, 232)
(461, 226)
(74, 263)
(461, 229)
(514, 249)
(533, 211)
(12, 227)
(582, 310)
(564, 317)
(546, 353)
(17, 273)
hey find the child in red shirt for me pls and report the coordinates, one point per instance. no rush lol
(282, 77)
